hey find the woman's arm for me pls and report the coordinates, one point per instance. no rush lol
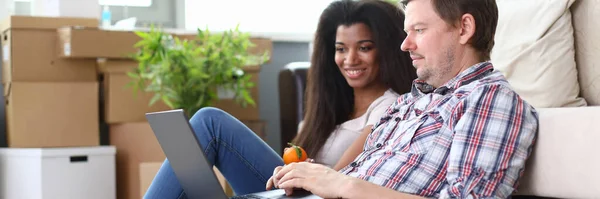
(380, 106)
(352, 152)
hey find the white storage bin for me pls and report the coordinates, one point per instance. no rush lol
(52, 173)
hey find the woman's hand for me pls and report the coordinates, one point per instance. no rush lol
(273, 182)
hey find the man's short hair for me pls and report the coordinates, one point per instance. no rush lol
(485, 13)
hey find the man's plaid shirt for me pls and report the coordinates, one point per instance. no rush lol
(469, 138)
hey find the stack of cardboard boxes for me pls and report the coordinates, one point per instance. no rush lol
(122, 109)
(50, 102)
(138, 152)
(51, 108)
(64, 79)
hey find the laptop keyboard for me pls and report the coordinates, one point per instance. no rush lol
(247, 197)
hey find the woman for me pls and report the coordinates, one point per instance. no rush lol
(357, 71)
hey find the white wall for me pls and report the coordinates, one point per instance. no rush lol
(68, 8)
(6, 8)
(287, 20)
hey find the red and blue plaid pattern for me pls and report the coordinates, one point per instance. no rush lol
(467, 139)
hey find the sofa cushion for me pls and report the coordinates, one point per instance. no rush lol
(565, 159)
(534, 49)
(587, 44)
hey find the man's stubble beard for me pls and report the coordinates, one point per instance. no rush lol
(431, 74)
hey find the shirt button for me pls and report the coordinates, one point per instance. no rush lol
(353, 164)
(378, 145)
(397, 119)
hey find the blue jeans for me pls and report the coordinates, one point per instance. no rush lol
(242, 157)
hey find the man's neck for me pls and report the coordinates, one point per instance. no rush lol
(468, 58)
(464, 60)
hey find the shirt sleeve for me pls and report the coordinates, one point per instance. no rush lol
(494, 131)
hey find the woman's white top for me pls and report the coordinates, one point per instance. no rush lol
(344, 134)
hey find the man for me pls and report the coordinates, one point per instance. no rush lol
(460, 133)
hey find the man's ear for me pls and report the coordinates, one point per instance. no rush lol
(467, 28)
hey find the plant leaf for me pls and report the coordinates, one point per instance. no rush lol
(154, 99)
(141, 34)
(168, 102)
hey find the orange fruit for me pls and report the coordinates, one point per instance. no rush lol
(294, 154)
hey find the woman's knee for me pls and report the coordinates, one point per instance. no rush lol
(208, 112)
(209, 117)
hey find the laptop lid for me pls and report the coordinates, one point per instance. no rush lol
(185, 154)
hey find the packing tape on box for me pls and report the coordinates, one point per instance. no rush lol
(67, 49)
(5, 53)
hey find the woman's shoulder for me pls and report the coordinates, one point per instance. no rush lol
(390, 94)
(387, 99)
(379, 106)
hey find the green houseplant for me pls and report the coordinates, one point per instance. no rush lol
(185, 74)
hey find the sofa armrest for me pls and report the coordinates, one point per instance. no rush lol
(565, 161)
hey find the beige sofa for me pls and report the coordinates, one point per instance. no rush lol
(550, 52)
(565, 162)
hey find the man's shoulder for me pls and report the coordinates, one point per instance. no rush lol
(495, 89)
(493, 82)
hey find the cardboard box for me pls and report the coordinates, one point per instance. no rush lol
(76, 42)
(262, 45)
(52, 114)
(148, 171)
(135, 144)
(123, 66)
(37, 22)
(123, 105)
(224, 184)
(29, 51)
(84, 42)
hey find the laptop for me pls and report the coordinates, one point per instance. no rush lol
(195, 174)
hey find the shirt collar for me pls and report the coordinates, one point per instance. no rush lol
(471, 74)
